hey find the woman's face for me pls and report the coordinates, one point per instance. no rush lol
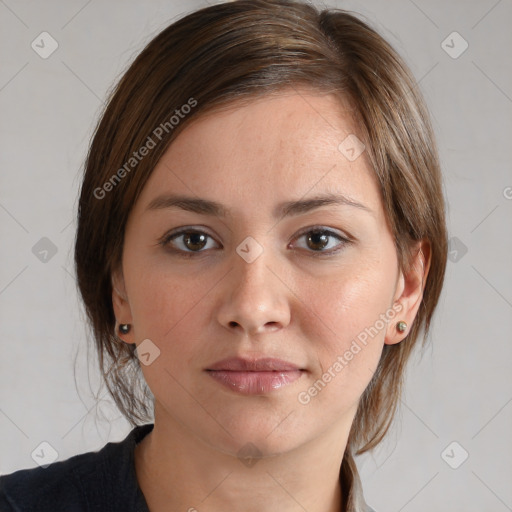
(233, 251)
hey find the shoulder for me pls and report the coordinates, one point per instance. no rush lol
(89, 481)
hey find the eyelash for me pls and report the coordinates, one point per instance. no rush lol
(166, 239)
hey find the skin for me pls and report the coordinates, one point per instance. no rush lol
(291, 303)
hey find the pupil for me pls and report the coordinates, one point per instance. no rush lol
(195, 241)
(320, 238)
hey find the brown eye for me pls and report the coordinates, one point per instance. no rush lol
(322, 241)
(317, 240)
(189, 241)
(194, 241)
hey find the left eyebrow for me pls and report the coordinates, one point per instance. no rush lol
(285, 209)
(290, 208)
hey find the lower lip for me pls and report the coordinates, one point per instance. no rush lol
(255, 383)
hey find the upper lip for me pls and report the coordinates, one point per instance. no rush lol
(265, 364)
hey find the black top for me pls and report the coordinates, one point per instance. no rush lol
(103, 481)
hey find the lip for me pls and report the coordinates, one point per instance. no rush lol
(255, 383)
(263, 364)
(254, 376)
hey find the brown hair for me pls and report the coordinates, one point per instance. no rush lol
(233, 52)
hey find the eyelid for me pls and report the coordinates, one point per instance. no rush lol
(344, 239)
(326, 229)
(175, 233)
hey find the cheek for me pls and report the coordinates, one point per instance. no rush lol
(347, 321)
(170, 311)
(166, 306)
(349, 302)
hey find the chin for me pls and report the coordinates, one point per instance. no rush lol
(256, 437)
(254, 447)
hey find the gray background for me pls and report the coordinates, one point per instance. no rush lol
(461, 390)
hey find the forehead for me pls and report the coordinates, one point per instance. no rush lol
(279, 146)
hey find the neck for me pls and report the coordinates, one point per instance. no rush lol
(178, 471)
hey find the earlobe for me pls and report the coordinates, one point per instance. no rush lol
(410, 293)
(122, 308)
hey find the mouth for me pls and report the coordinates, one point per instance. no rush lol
(264, 364)
(255, 376)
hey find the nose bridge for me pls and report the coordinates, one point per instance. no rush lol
(252, 277)
(254, 299)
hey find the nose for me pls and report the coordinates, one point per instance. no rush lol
(254, 298)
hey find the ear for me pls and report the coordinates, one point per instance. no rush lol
(121, 306)
(409, 292)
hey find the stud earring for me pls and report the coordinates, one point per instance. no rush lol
(124, 328)
(401, 326)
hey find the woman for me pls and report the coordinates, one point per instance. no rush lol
(261, 243)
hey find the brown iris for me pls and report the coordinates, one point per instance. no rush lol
(317, 240)
(194, 241)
